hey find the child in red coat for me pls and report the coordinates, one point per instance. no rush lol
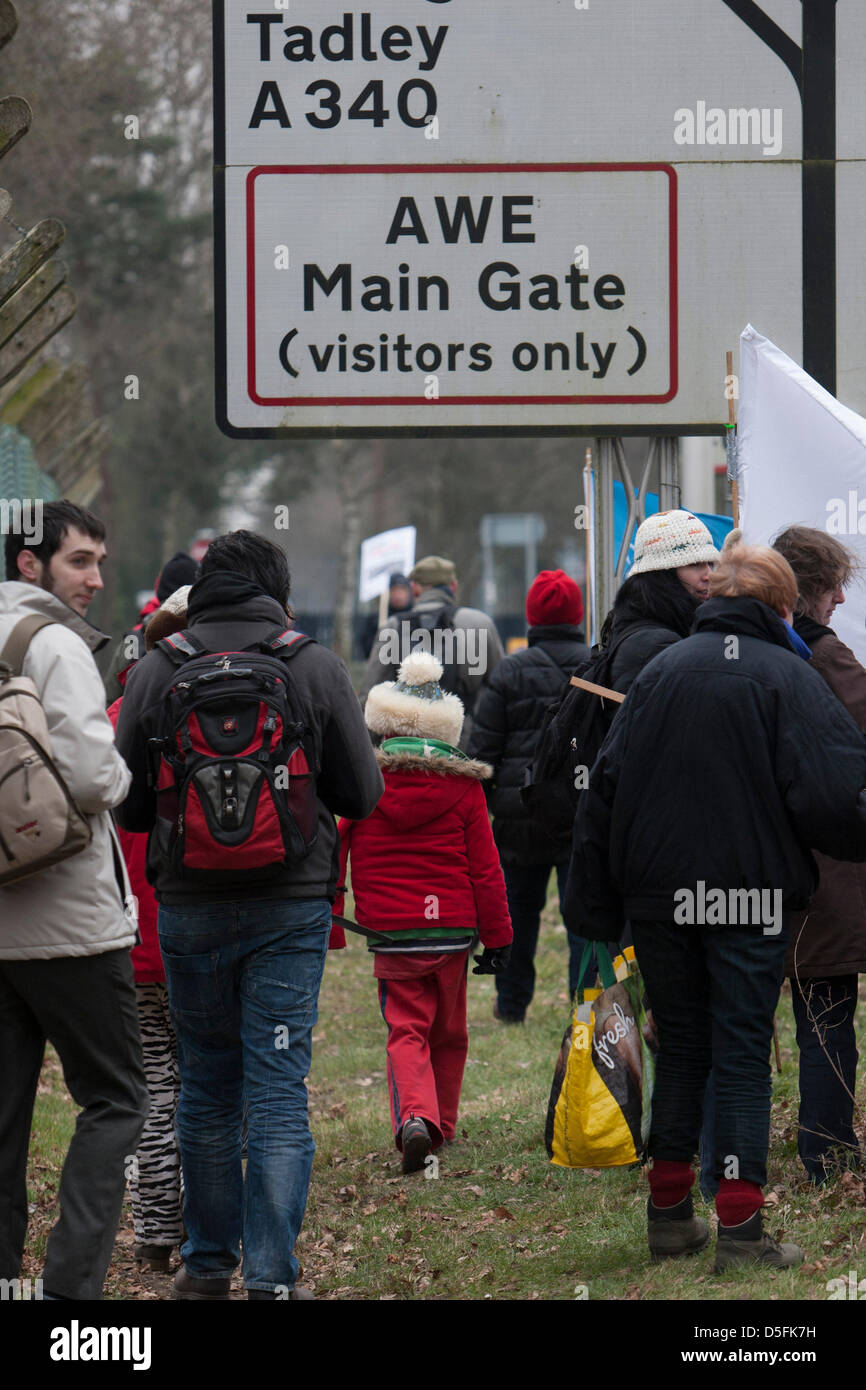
(426, 877)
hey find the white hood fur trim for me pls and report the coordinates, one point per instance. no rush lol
(394, 713)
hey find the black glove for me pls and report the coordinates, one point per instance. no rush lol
(492, 962)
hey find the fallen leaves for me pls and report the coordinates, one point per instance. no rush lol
(516, 1174)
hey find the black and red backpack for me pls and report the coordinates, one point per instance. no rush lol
(233, 764)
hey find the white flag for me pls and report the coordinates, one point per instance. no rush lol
(801, 459)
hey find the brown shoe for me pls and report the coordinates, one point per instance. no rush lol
(749, 1244)
(205, 1290)
(673, 1231)
(155, 1257)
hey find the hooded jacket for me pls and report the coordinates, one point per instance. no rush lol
(642, 634)
(76, 907)
(348, 781)
(830, 939)
(728, 761)
(508, 719)
(425, 859)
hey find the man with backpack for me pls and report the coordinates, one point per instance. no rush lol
(66, 924)
(244, 738)
(464, 640)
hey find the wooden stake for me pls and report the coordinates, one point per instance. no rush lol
(735, 487)
(588, 550)
(601, 690)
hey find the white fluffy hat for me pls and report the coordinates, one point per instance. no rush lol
(415, 705)
(671, 539)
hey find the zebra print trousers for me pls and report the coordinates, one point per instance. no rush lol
(155, 1183)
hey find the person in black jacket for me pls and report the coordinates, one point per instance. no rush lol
(244, 953)
(729, 761)
(399, 601)
(655, 607)
(508, 718)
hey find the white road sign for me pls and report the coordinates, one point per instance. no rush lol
(391, 552)
(446, 215)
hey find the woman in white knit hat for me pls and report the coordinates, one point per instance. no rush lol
(674, 557)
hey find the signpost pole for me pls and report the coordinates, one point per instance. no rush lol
(604, 584)
(669, 473)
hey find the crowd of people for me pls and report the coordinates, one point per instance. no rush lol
(235, 788)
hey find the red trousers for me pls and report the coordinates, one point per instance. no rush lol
(423, 1002)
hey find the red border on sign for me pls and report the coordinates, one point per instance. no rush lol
(458, 169)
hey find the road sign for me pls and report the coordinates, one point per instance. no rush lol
(512, 528)
(439, 215)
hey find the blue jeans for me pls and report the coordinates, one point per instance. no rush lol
(713, 993)
(243, 983)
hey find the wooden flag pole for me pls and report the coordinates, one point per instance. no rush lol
(735, 487)
(589, 548)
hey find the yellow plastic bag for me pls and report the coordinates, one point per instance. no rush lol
(599, 1110)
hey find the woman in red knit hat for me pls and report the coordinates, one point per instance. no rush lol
(508, 719)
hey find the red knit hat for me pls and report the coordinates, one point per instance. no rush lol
(553, 598)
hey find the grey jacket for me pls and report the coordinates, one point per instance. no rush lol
(75, 908)
(474, 648)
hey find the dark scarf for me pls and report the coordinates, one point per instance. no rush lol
(810, 630)
(219, 589)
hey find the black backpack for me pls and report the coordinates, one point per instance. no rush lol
(233, 763)
(453, 679)
(573, 731)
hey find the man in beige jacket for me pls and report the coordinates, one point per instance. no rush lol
(65, 933)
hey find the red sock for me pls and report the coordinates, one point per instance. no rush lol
(670, 1181)
(737, 1200)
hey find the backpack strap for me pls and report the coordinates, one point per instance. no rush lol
(286, 643)
(19, 639)
(181, 647)
(371, 935)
